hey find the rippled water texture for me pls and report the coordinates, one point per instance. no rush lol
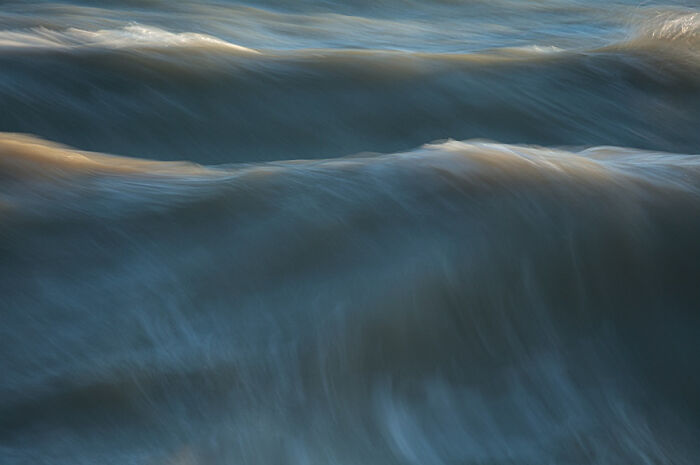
(367, 232)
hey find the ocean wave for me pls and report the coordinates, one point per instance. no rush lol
(391, 232)
(458, 302)
(212, 106)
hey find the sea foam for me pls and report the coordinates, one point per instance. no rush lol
(131, 36)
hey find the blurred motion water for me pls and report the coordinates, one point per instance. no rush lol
(367, 232)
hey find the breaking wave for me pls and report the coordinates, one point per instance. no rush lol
(212, 106)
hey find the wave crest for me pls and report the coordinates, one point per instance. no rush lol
(680, 28)
(131, 36)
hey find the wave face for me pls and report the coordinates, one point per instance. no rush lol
(314, 232)
(467, 302)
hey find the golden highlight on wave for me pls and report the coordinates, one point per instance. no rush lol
(30, 165)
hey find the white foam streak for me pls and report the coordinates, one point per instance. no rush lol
(672, 27)
(132, 36)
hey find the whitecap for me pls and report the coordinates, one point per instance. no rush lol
(131, 36)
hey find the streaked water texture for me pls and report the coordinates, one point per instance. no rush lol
(368, 232)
